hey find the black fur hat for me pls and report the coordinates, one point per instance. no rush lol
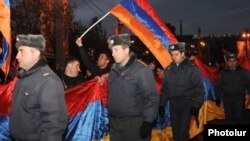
(232, 56)
(31, 40)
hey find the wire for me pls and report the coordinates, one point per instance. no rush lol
(232, 6)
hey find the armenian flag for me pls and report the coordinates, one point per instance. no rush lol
(6, 32)
(143, 21)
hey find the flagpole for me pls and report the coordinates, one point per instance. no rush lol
(94, 24)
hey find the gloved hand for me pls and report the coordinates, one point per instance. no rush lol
(161, 111)
(194, 111)
(218, 102)
(146, 129)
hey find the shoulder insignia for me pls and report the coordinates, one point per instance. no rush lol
(141, 62)
(46, 74)
(168, 67)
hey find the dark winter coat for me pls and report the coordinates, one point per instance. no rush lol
(94, 69)
(70, 82)
(132, 91)
(38, 110)
(233, 84)
(183, 82)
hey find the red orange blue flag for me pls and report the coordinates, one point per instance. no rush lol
(5, 30)
(143, 21)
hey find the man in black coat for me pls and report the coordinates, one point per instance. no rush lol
(231, 88)
(183, 86)
(38, 109)
(103, 62)
(71, 76)
(133, 100)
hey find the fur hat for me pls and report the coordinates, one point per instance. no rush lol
(231, 56)
(35, 41)
(121, 39)
(178, 46)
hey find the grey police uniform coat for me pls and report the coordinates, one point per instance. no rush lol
(132, 92)
(38, 110)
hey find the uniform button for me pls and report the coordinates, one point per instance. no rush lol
(26, 93)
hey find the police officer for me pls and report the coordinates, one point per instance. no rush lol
(133, 100)
(183, 86)
(231, 87)
(38, 109)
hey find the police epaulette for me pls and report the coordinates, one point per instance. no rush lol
(168, 67)
(142, 62)
(46, 74)
(194, 64)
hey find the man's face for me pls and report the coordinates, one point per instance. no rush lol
(177, 56)
(27, 57)
(74, 68)
(120, 53)
(159, 72)
(232, 63)
(102, 61)
(152, 66)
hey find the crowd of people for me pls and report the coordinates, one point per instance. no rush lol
(38, 110)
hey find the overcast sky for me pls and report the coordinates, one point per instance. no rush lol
(212, 16)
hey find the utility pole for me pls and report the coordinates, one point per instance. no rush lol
(181, 27)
